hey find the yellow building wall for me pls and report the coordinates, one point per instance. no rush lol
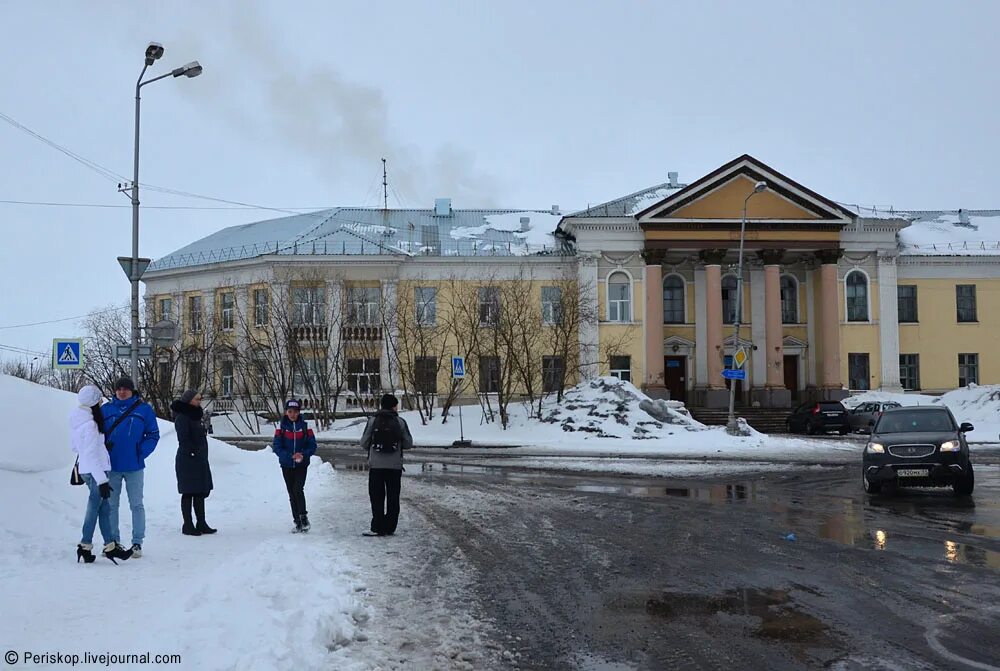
(627, 341)
(860, 337)
(727, 201)
(939, 338)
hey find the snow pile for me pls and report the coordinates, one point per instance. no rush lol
(42, 442)
(251, 596)
(537, 234)
(610, 408)
(944, 233)
(979, 405)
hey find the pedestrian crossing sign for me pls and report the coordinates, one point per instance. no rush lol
(457, 367)
(67, 353)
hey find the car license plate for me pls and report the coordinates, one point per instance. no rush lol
(912, 473)
(832, 414)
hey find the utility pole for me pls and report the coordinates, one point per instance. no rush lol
(385, 188)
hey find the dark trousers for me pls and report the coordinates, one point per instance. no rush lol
(383, 490)
(193, 500)
(295, 483)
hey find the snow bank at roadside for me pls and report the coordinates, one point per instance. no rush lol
(977, 404)
(250, 597)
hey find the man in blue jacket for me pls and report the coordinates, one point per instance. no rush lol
(294, 443)
(130, 443)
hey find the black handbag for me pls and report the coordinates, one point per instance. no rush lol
(74, 477)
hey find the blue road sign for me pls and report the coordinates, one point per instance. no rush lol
(67, 353)
(458, 367)
(734, 374)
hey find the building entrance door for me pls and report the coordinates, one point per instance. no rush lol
(791, 366)
(675, 377)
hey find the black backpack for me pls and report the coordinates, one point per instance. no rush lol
(386, 434)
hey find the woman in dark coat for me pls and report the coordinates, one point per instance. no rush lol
(194, 475)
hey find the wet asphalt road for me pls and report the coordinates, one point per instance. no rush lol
(606, 573)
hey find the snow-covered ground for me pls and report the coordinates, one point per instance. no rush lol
(977, 404)
(252, 596)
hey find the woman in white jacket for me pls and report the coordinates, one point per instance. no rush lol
(87, 432)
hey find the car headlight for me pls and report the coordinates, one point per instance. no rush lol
(876, 448)
(951, 446)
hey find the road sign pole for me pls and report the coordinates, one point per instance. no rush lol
(461, 427)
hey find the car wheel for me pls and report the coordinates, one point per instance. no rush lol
(869, 486)
(843, 431)
(810, 429)
(788, 426)
(965, 485)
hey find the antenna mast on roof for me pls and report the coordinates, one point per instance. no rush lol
(385, 188)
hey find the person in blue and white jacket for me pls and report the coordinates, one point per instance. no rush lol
(295, 444)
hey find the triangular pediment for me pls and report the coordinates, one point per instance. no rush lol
(719, 197)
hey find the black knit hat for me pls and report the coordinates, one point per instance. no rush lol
(125, 383)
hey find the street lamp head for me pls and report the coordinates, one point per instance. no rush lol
(760, 186)
(153, 52)
(192, 69)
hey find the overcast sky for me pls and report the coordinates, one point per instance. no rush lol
(513, 104)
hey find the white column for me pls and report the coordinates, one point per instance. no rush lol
(590, 344)
(758, 326)
(808, 286)
(888, 317)
(700, 329)
(389, 366)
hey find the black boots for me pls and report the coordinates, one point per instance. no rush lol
(303, 523)
(189, 529)
(199, 513)
(115, 551)
(83, 551)
(198, 503)
(203, 528)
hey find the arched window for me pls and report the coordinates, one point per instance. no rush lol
(729, 299)
(789, 300)
(857, 296)
(619, 298)
(673, 300)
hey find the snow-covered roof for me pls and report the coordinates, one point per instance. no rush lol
(951, 233)
(632, 204)
(359, 230)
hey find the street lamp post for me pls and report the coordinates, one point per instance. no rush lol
(153, 52)
(731, 425)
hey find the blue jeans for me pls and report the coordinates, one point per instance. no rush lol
(133, 483)
(98, 510)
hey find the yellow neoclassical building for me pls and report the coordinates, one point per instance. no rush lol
(835, 298)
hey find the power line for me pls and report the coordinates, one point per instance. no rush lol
(152, 207)
(22, 350)
(65, 319)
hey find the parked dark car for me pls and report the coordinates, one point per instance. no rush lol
(918, 447)
(819, 417)
(864, 416)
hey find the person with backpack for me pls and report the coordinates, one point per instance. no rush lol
(295, 444)
(385, 438)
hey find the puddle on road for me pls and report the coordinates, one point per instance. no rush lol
(842, 519)
(775, 614)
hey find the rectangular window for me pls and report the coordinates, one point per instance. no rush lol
(619, 299)
(858, 371)
(166, 308)
(553, 373)
(364, 376)
(194, 314)
(308, 306)
(906, 298)
(194, 374)
(164, 375)
(968, 369)
(489, 306)
(261, 373)
(261, 307)
(489, 375)
(362, 305)
(965, 298)
(226, 378)
(909, 371)
(306, 374)
(552, 305)
(227, 309)
(621, 368)
(425, 369)
(425, 299)
(789, 300)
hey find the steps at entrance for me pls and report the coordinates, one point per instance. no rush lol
(765, 420)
